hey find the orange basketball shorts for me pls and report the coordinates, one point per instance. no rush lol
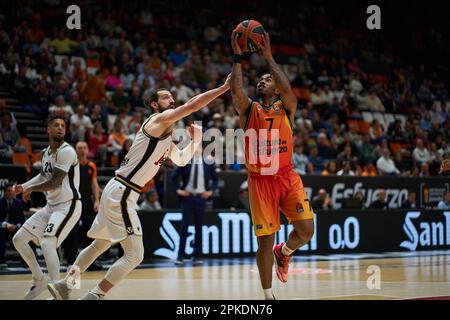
(269, 194)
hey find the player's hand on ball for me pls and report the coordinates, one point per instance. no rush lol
(265, 48)
(234, 43)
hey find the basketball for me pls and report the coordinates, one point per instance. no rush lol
(250, 35)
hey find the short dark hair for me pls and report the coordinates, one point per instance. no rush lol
(153, 96)
(55, 116)
(8, 185)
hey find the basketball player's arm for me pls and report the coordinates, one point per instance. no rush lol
(52, 183)
(182, 157)
(65, 159)
(238, 96)
(281, 81)
(194, 104)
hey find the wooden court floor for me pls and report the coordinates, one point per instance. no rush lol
(400, 278)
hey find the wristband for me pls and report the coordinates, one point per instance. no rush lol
(237, 58)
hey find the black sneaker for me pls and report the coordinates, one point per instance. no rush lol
(179, 261)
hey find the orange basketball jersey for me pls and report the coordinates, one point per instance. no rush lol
(268, 134)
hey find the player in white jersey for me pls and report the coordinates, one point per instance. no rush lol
(117, 220)
(59, 179)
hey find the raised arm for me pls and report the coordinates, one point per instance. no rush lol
(240, 99)
(281, 81)
(192, 105)
(159, 123)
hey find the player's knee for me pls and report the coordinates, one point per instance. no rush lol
(306, 232)
(135, 258)
(48, 244)
(17, 239)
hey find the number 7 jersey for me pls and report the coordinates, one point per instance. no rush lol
(268, 134)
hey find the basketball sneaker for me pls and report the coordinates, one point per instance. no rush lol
(92, 296)
(37, 287)
(282, 263)
(59, 290)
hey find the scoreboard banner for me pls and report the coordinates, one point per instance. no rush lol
(429, 191)
(230, 233)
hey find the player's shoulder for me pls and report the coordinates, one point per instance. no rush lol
(66, 149)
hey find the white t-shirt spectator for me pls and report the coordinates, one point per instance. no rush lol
(67, 109)
(421, 155)
(184, 93)
(85, 121)
(386, 166)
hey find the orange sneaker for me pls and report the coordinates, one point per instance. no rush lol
(282, 263)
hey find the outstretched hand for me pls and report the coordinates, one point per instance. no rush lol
(234, 43)
(265, 48)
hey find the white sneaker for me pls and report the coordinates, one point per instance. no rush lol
(37, 287)
(92, 296)
(59, 290)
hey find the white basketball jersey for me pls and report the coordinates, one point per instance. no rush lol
(144, 158)
(65, 158)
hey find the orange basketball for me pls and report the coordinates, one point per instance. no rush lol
(250, 35)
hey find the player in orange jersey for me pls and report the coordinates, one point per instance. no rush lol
(272, 182)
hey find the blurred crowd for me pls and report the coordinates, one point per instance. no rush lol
(99, 75)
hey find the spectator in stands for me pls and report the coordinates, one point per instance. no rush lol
(322, 201)
(445, 202)
(119, 101)
(135, 100)
(380, 203)
(330, 168)
(78, 72)
(98, 141)
(62, 44)
(299, 159)
(420, 153)
(80, 125)
(97, 115)
(62, 89)
(365, 151)
(376, 132)
(424, 170)
(10, 135)
(303, 121)
(385, 165)
(411, 202)
(113, 80)
(217, 123)
(11, 219)
(183, 92)
(116, 139)
(65, 69)
(61, 107)
(369, 170)
(346, 169)
(23, 87)
(324, 147)
(94, 90)
(151, 202)
(315, 160)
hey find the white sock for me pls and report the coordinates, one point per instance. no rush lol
(21, 242)
(98, 291)
(268, 294)
(286, 251)
(50, 252)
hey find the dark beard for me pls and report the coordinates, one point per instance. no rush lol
(58, 139)
(260, 94)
